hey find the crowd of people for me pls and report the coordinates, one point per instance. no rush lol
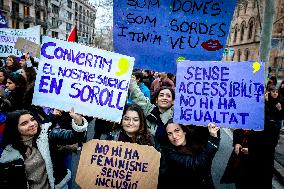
(32, 137)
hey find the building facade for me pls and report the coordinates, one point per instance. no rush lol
(85, 16)
(245, 34)
(56, 17)
(25, 13)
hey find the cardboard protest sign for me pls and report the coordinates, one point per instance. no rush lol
(111, 164)
(26, 46)
(93, 81)
(8, 39)
(230, 94)
(158, 33)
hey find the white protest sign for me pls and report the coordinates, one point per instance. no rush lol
(8, 39)
(93, 81)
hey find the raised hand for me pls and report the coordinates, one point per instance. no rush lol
(77, 117)
(213, 129)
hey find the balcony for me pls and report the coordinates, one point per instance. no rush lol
(28, 2)
(4, 8)
(17, 16)
(28, 19)
(40, 22)
(41, 6)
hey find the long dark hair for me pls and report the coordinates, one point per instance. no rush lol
(196, 138)
(16, 65)
(143, 135)
(13, 136)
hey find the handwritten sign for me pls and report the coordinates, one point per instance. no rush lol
(26, 46)
(93, 81)
(8, 39)
(230, 94)
(158, 33)
(111, 164)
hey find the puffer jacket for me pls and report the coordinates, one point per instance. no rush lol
(12, 168)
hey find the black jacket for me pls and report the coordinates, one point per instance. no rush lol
(179, 170)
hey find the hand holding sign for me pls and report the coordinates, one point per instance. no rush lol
(123, 66)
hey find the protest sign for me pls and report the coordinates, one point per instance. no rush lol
(8, 39)
(230, 94)
(111, 164)
(93, 81)
(158, 33)
(26, 46)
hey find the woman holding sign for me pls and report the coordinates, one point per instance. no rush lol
(186, 160)
(30, 158)
(133, 128)
(157, 115)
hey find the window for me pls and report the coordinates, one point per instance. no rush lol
(235, 34)
(69, 15)
(69, 4)
(68, 27)
(254, 4)
(232, 59)
(15, 7)
(55, 9)
(238, 10)
(54, 22)
(246, 55)
(239, 55)
(26, 11)
(26, 25)
(15, 24)
(76, 15)
(242, 32)
(38, 14)
(54, 34)
(250, 29)
(245, 7)
(76, 6)
(80, 9)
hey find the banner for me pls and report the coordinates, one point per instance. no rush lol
(229, 94)
(111, 164)
(8, 39)
(93, 81)
(159, 33)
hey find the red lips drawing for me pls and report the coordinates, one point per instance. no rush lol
(211, 45)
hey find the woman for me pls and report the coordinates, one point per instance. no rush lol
(29, 73)
(12, 64)
(15, 90)
(274, 109)
(238, 167)
(132, 129)
(3, 80)
(31, 157)
(186, 160)
(157, 115)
